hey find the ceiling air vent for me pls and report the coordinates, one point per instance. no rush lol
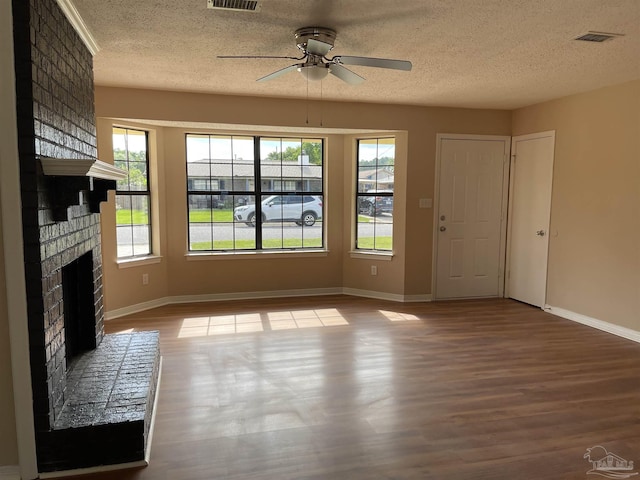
(598, 37)
(242, 5)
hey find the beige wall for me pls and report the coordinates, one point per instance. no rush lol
(8, 438)
(594, 251)
(8, 150)
(408, 273)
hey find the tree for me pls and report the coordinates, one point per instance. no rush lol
(291, 154)
(136, 166)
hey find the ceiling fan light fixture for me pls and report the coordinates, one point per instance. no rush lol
(313, 72)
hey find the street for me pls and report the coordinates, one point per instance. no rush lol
(202, 232)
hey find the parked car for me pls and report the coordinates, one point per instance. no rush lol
(375, 204)
(301, 209)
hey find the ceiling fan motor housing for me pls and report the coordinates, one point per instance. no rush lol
(321, 34)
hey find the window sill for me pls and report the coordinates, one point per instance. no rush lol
(197, 256)
(370, 254)
(138, 261)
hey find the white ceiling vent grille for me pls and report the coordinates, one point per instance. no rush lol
(238, 5)
(598, 37)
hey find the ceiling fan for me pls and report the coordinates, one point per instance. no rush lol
(315, 43)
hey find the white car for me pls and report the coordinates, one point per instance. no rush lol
(301, 209)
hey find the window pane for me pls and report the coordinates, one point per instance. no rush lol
(220, 148)
(292, 221)
(141, 240)
(200, 208)
(137, 176)
(200, 236)
(285, 169)
(198, 148)
(374, 235)
(133, 226)
(124, 241)
(133, 236)
(312, 152)
(374, 197)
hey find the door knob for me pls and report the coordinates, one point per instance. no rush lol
(540, 233)
(442, 229)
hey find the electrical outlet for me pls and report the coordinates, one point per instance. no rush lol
(374, 270)
(145, 279)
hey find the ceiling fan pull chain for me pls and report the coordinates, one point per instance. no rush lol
(321, 104)
(307, 101)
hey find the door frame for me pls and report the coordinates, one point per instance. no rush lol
(440, 137)
(512, 155)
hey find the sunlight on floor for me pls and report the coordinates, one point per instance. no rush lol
(128, 330)
(397, 316)
(255, 322)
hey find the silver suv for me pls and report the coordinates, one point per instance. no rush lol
(301, 209)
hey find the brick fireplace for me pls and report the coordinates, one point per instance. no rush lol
(82, 418)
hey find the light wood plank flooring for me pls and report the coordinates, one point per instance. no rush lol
(342, 387)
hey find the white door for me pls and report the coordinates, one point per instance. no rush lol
(470, 230)
(529, 215)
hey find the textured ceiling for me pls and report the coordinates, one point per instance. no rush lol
(465, 53)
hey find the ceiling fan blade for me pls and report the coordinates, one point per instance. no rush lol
(259, 56)
(277, 73)
(374, 62)
(345, 74)
(316, 47)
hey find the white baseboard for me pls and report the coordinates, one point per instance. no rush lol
(10, 472)
(394, 297)
(618, 330)
(147, 452)
(138, 307)
(426, 297)
(216, 297)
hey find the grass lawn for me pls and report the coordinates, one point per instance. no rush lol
(140, 217)
(250, 244)
(382, 243)
(128, 217)
(204, 216)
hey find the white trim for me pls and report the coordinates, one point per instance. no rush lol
(608, 327)
(216, 297)
(138, 261)
(147, 452)
(416, 298)
(253, 254)
(356, 292)
(81, 167)
(371, 255)
(436, 205)
(138, 307)
(14, 252)
(70, 11)
(10, 472)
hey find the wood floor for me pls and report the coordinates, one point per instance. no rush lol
(349, 388)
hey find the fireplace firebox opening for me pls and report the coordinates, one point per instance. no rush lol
(79, 307)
